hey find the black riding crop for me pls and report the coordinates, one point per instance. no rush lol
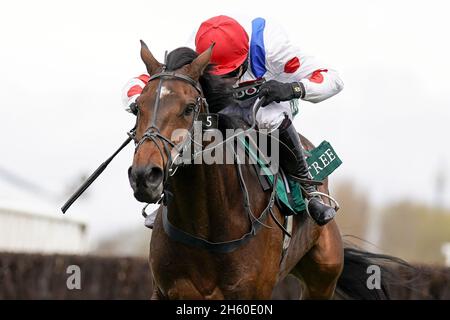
(94, 176)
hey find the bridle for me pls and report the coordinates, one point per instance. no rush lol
(154, 135)
(153, 132)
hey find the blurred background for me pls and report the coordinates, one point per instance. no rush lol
(63, 66)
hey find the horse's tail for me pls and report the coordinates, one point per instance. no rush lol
(355, 281)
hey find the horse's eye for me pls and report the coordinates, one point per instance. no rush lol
(189, 109)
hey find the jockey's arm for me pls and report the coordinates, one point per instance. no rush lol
(132, 89)
(287, 63)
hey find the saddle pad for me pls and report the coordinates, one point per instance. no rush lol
(291, 198)
(322, 161)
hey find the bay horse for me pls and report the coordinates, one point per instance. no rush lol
(206, 203)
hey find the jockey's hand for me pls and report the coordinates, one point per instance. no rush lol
(277, 91)
(133, 108)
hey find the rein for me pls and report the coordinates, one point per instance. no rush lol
(153, 134)
(227, 246)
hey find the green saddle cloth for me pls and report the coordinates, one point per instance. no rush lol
(322, 161)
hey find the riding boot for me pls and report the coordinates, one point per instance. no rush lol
(290, 146)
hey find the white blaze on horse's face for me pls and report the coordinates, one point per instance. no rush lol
(164, 92)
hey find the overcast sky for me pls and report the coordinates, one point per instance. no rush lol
(63, 65)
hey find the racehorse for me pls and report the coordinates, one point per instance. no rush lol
(206, 205)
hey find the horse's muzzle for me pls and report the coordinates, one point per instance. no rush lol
(146, 182)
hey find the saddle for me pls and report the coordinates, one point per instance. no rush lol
(322, 160)
(288, 192)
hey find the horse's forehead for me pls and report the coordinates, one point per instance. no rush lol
(171, 88)
(165, 91)
(176, 88)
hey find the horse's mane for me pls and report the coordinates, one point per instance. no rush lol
(217, 93)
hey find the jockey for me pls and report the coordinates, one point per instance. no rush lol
(258, 49)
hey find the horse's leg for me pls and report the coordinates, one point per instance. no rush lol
(321, 267)
(157, 295)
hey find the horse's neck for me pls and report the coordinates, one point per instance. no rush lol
(207, 201)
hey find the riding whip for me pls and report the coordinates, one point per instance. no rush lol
(94, 175)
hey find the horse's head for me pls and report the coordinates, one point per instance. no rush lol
(167, 108)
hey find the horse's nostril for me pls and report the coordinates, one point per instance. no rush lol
(154, 176)
(145, 177)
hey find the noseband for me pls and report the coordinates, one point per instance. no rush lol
(153, 133)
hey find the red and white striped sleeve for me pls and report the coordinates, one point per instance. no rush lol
(288, 63)
(321, 84)
(133, 89)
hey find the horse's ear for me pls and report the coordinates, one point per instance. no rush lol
(150, 62)
(198, 66)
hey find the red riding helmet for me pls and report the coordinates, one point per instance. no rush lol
(231, 43)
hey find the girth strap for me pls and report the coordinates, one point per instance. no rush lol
(220, 247)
